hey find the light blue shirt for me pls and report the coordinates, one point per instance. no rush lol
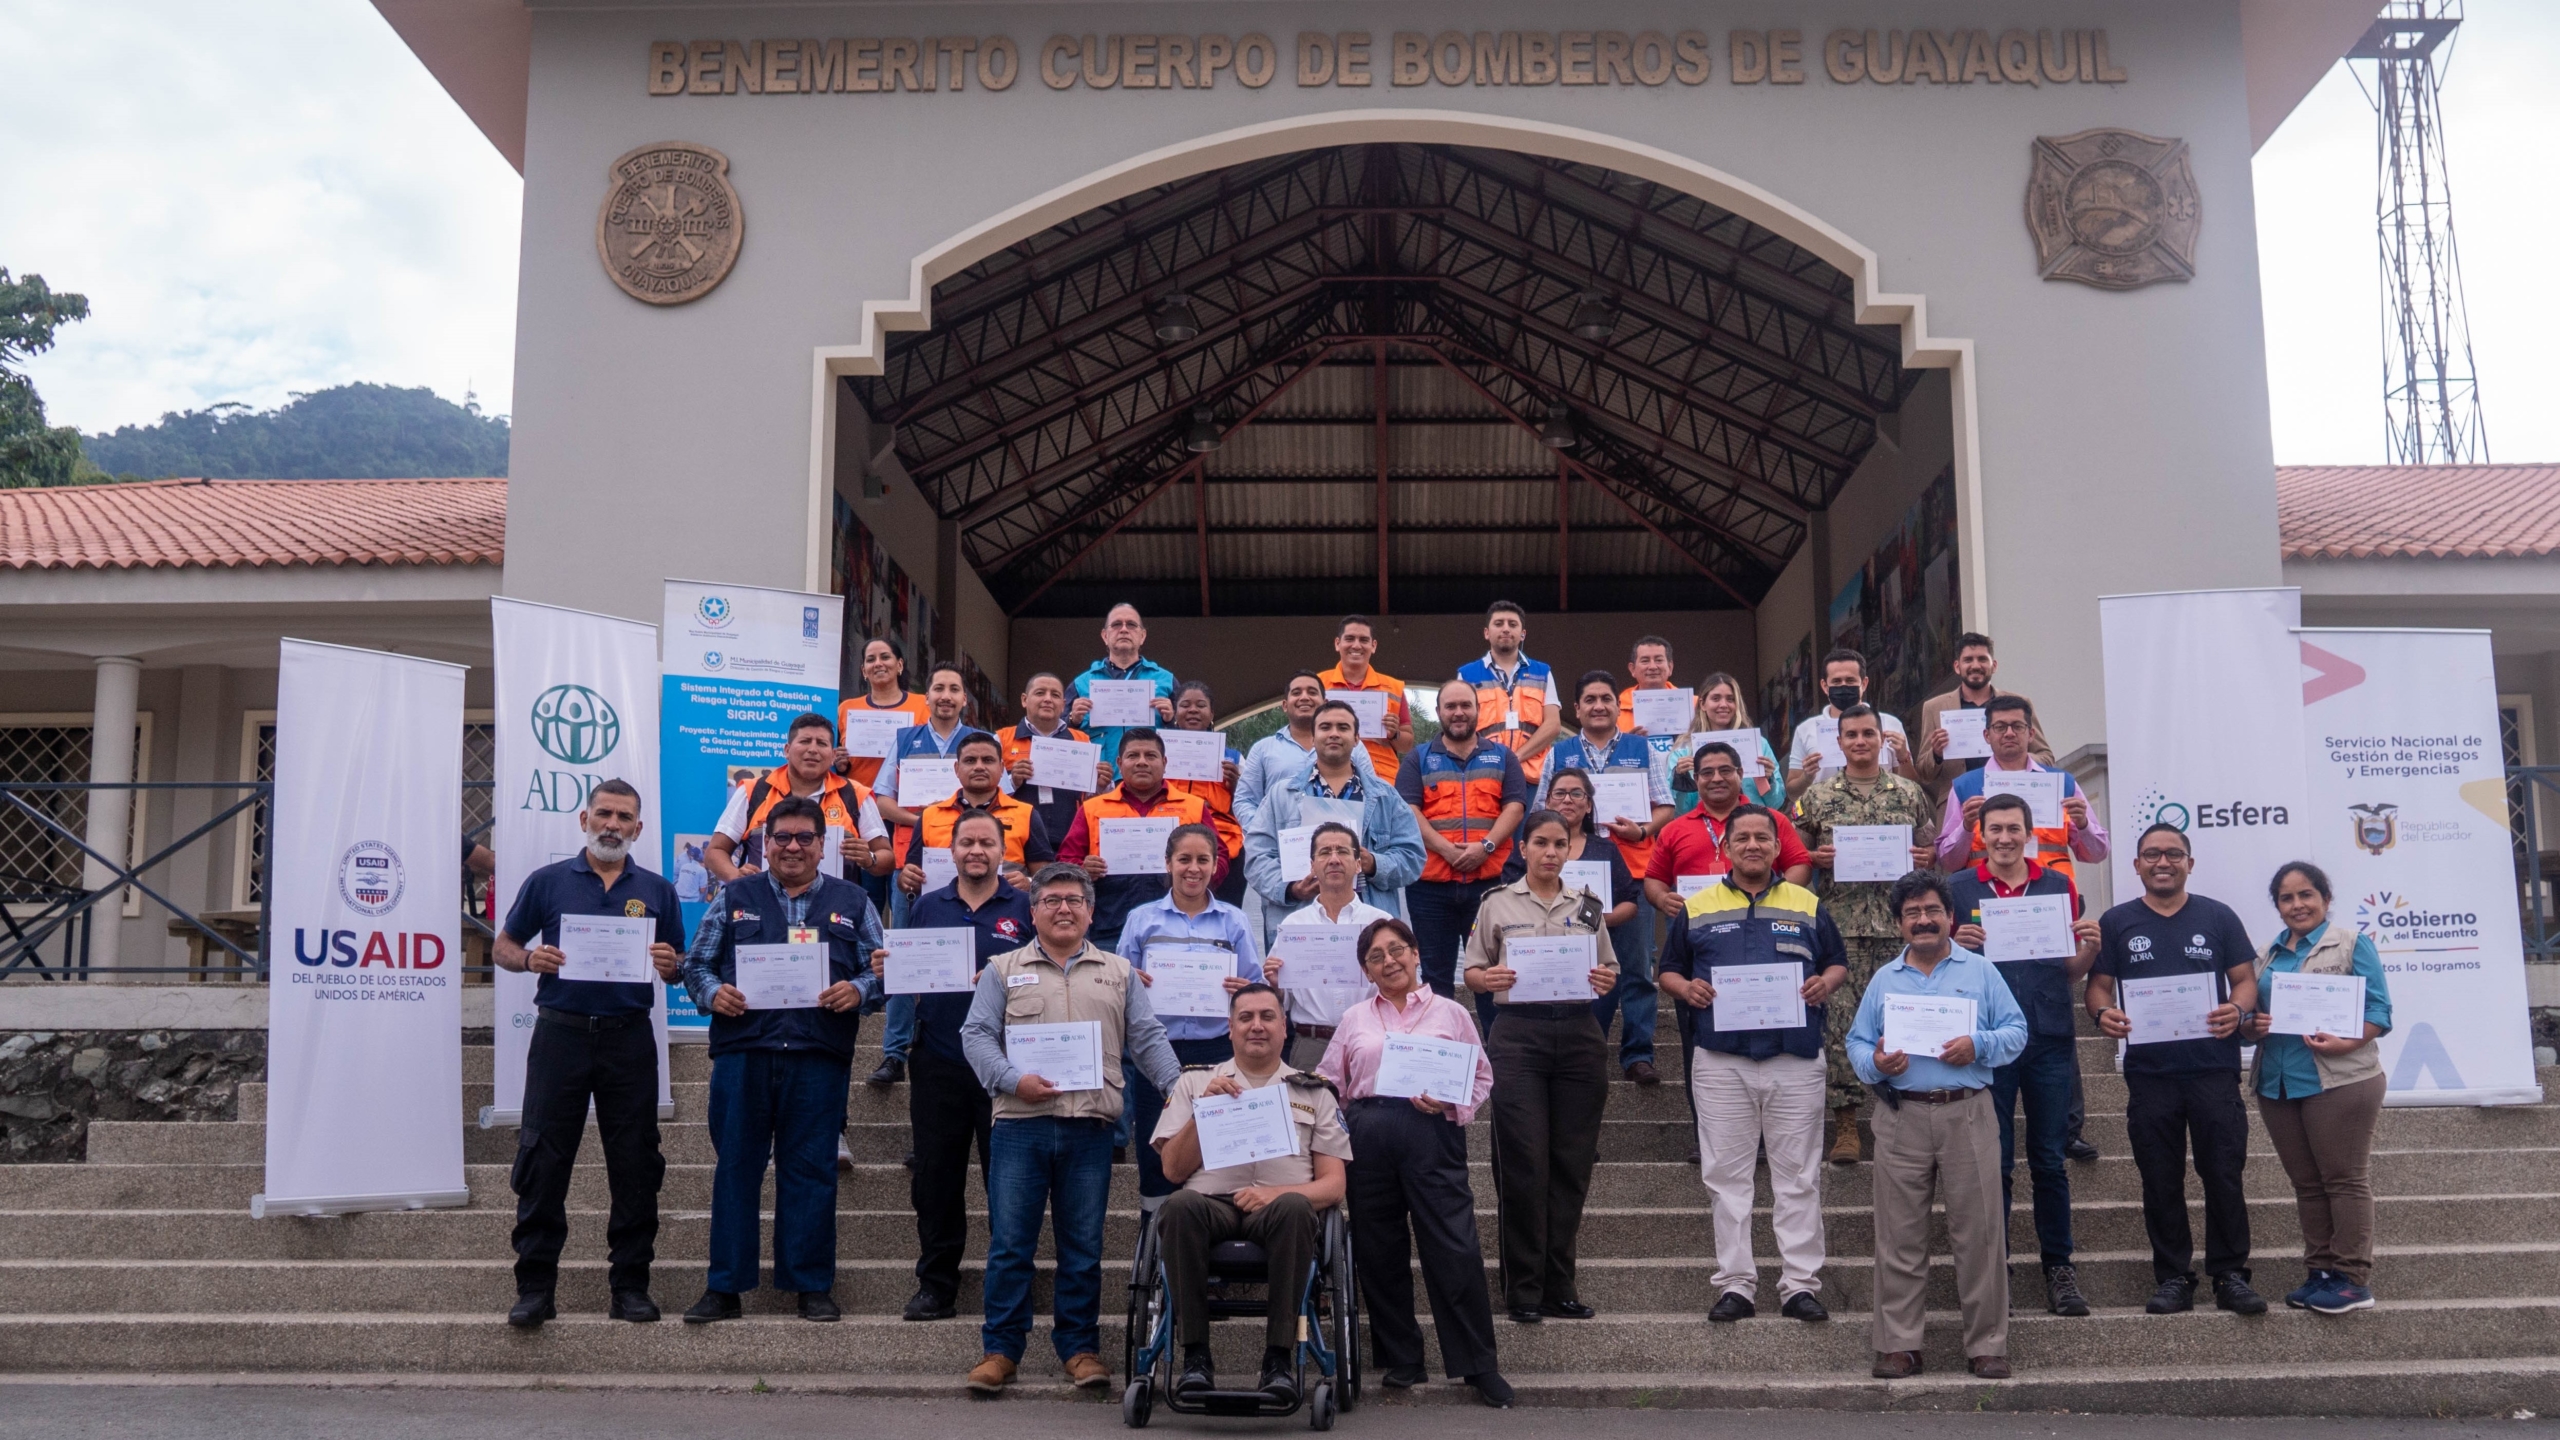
(2287, 1070)
(1273, 761)
(1999, 1026)
(1160, 923)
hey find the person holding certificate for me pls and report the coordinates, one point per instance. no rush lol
(736, 848)
(947, 1109)
(2181, 1092)
(1196, 712)
(883, 704)
(1722, 716)
(1140, 795)
(2320, 1085)
(1867, 827)
(1044, 710)
(592, 1045)
(1550, 1062)
(2026, 920)
(1516, 705)
(946, 695)
(1939, 759)
(1355, 644)
(1408, 1179)
(1336, 910)
(782, 964)
(1753, 964)
(1814, 752)
(1931, 1028)
(1206, 951)
(1046, 1033)
(1254, 1191)
(1277, 758)
(1467, 796)
(1124, 643)
(1599, 749)
(1334, 786)
(1591, 858)
(1662, 718)
(2067, 830)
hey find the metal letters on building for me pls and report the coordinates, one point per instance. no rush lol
(670, 226)
(2113, 208)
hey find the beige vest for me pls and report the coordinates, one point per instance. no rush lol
(1094, 986)
(2334, 955)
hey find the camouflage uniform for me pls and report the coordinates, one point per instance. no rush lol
(1867, 928)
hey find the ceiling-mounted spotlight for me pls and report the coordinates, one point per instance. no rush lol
(1174, 318)
(1594, 316)
(1202, 437)
(1557, 433)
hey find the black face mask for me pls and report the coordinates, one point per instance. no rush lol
(1842, 696)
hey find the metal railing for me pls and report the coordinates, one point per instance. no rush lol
(2530, 788)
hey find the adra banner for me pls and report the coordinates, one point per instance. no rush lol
(738, 663)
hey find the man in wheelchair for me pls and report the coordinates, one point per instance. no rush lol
(1276, 1203)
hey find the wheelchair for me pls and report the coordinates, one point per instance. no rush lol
(1328, 1328)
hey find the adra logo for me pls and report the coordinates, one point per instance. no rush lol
(575, 726)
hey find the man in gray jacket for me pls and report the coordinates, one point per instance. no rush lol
(1333, 786)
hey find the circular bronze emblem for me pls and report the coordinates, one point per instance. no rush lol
(670, 226)
(2113, 208)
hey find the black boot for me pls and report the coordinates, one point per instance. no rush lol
(531, 1310)
(1279, 1376)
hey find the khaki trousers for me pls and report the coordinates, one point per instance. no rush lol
(1742, 1103)
(1953, 1150)
(2326, 1144)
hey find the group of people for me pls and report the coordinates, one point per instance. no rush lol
(1528, 834)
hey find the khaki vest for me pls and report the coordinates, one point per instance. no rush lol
(2334, 955)
(1094, 987)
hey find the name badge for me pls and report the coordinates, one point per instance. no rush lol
(1016, 982)
(804, 934)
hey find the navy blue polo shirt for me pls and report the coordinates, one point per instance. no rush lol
(1003, 923)
(2042, 987)
(572, 887)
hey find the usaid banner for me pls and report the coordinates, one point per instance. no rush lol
(2408, 814)
(2204, 732)
(577, 704)
(364, 1001)
(739, 662)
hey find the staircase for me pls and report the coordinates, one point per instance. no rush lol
(143, 1261)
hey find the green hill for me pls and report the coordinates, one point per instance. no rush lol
(347, 432)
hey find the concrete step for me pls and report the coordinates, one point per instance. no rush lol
(1607, 1231)
(767, 1343)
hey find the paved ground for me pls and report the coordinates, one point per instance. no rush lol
(198, 1412)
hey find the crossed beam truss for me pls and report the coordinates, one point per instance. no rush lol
(1732, 396)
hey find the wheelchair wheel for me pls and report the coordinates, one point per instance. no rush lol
(1137, 1402)
(1320, 1408)
(1344, 1323)
(1145, 1296)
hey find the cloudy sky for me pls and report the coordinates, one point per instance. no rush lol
(266, 196)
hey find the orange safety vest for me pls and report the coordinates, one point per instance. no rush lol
(1017, 746)
(1382, 755)
(863, 768)
(1186, 809)
(1461, 799)
(1222, 810)
(842, 799)
(936, 821)
(1508, 716)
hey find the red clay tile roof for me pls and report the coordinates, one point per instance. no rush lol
(176, 523)
(2357, 512)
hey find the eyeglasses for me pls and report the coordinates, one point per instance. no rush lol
(2155, 856)
(2008, 727)
(790, 839)
(1392, 950)
(1060, 902)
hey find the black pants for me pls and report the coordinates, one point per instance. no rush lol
(1550, 1083)
(618, 1070)
(1443, 911)
(2161, 1114)
(947, 1110)
(1408, 1186)
(1191, 1223)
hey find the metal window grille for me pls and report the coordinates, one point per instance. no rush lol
(35, 864)
(479, 763)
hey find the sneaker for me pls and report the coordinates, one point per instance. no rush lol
(2176, 1294)
(2231, 1292)
(2340, 1296)
(2062, 1291)
(2299, 1297)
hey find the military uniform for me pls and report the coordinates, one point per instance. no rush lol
(1859, 908)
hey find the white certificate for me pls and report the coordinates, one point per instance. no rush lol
(1758, 997)
(1826, 742)
(1118, 703)
(873, 734)
(1688, 885)
(926, 779)
(2172, 1007)
(1591, 875)
(1922, 1025)
(1745, 743)
(2042, 790)
(1064, 764)
(782, 977)
(1965, 740)
(1194, 754)
(1068, 1056)
(1135, 846)
(1663, 712)
(931, 962)
(610, 948)
(939, 868)
(2316, 1004)
(2027, 927)
(1318, 957)
(1445, 1070)
(1870, 852)
(1621, 795)
(1370, 706)
(831, 852)
(1550, 968)
(1189, 979)
(1297, 853)
(1241, 1129)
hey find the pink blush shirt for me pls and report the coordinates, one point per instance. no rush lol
(1351, 1061)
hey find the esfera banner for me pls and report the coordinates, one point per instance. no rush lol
(364, 1000)
(738, 664)
(2408, 814)
(577, 704)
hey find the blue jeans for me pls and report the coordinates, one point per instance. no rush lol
(786, 1105)
(1043, 1165)
(1636, 996)
(1145, 1106)
(901, 1033)
(2043, 1074)
(1442, 911)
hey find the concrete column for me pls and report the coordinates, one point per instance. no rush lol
(111, 720)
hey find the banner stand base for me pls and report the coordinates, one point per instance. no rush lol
(493, 1118)
(2452, 1099)
(262, 1207)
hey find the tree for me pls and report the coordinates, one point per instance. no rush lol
(346, 432)
(31, 451)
